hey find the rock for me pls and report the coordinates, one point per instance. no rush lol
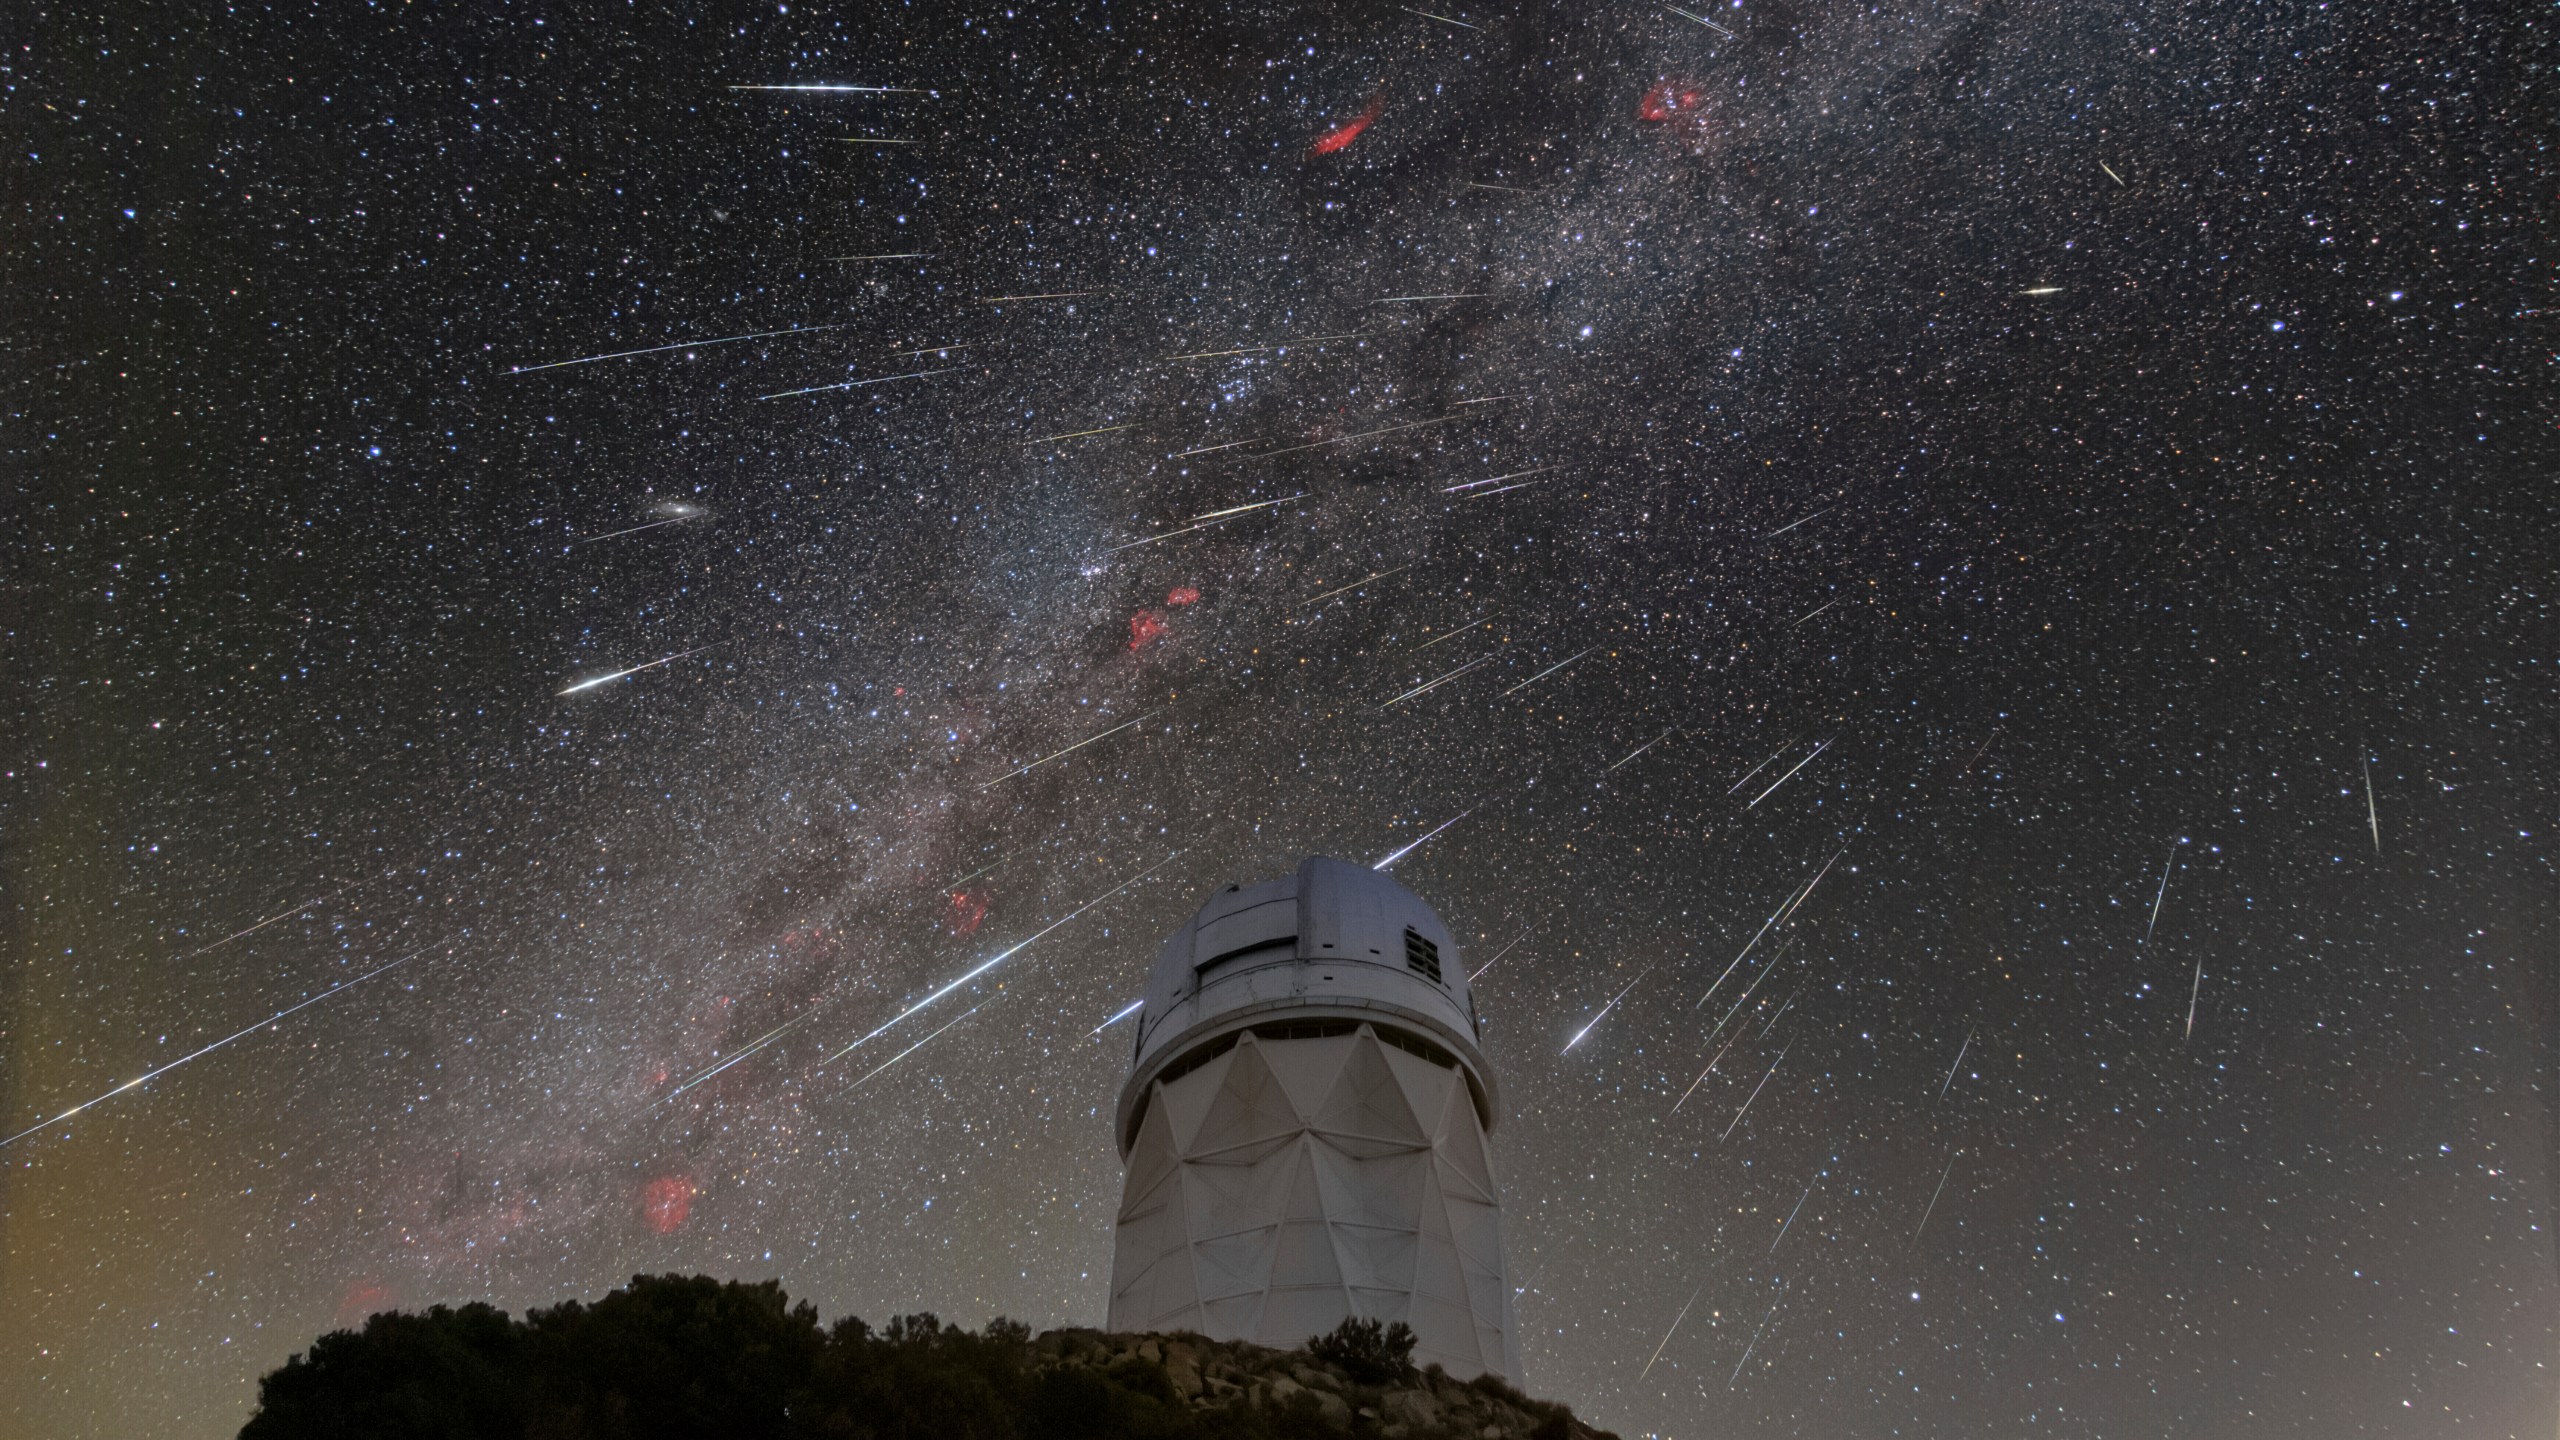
(1412, 1408)
(1337, 1411)
(1184, 1368)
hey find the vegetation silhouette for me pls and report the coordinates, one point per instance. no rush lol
(672, 1356)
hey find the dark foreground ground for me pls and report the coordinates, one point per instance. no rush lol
(696, 1357)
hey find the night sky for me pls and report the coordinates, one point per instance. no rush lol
(2067, 483)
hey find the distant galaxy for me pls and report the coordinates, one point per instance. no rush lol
(1953, 602)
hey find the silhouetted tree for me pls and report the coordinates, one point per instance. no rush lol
(1368, 1352)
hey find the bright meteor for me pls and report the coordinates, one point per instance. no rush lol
(218, 1044)
(634, 670)
(1000, 957)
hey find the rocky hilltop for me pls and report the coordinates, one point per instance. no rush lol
(1415, 1405)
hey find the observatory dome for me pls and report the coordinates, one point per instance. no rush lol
(1305, 1127)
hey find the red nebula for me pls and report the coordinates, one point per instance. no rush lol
(364, 1296)
(1145, 627)
(968, 912)
(1669, 100)
(665, 1202)
(1349, 130)
(1183, 595)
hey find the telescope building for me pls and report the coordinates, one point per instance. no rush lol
(1304, 1128)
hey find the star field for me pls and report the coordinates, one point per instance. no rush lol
(1952, 602)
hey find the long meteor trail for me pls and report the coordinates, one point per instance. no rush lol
(1428, 686)
(2158, 900)
(1000, 957)
(634, 670)
(910, 1050)
(1402, 851)
(856, 384)
(1356, 584)
(1952, 1069)
(1674, 1330)
(1932, 1207)
(1755, 1095)
(1604, 1011)
(1045, 759)
(218, 1044)
(1790, 775)
(679, 345)
(1550, 670)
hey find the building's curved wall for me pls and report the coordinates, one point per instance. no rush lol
(1289, 1183)
(1305, 1127)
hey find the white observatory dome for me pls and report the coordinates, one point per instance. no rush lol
(1304, 1127)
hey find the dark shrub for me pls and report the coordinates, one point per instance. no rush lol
(1370, 1353)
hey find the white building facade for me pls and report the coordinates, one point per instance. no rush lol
(1304, 1128)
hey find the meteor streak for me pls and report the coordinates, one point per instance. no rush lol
(284, 914)
(901, 255)
(856, 384)
(1000, 957)
(1776, 918)
(1498, 954)
(636, 669)
(1047, 295)
(1550, 670)
(2372, 816)
(1702, 1077)
(1790, 775)
(910, 1050)
(1429, 686)
(633, 530)
(679, 345)
(1701, 19)
(1363, 435)
(1932, 1207)
(1604, 1011)
(1952, 1069)
(218, 1044)
(1167, 535)
(1755, 1095)
(1256, 505)
(1649, 744)
(1490, 479)
(1080, 434)
(2162, 897)
(1401, 299)
(751, 1048)
(1791, 1215)
(1356, 584)
(1674, 1330)
(1790, 525)
(1756, 1335)
(1461, 630)
(1427, 15)
(838, 89)
(1275, 345)
(1399, 854)
(1133, 1008)
(2193, 991)
(1045, 759)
